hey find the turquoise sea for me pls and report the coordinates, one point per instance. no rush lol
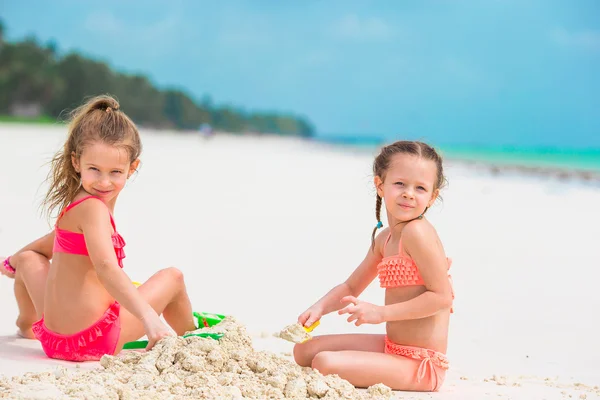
(542, 157)
(568, 159)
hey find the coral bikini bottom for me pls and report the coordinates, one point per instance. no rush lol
(432, 369)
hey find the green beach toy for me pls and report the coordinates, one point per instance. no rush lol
(205, 320)
(208, 319)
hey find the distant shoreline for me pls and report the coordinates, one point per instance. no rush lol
(545, 171)
(564, 165)
(494, 167)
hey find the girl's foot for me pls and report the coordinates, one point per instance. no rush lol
(24, 330)
(6, 269)
(28, 334)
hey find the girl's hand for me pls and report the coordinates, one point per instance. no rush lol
(155, 329)
(310, 316)
(361, 311)
(4, 270)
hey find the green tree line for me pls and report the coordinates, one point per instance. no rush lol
(35, 78)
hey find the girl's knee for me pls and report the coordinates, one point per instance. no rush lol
(174, 274)
(32, 260)
(302, 355)
(324, 362)
(27, 256)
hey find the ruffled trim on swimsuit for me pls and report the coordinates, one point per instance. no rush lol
(119, 244)
(72, 344)
(417, 353)
(398, 271)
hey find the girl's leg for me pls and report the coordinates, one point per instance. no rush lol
(363, 369)
(360, 359)
(30, 286)
(304, 353)
(165, 291)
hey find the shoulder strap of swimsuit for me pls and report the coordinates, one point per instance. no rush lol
(386, 241)
(401, 251)
(73, 204)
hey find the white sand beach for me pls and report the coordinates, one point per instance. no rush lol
(264, 226)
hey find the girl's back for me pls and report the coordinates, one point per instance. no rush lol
(73, 276)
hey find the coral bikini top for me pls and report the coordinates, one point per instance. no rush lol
(400, 269)
(74, 242)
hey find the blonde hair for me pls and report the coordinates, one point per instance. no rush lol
(97, 120)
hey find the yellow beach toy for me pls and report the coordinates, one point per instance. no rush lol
(313, 326)
(309, 329)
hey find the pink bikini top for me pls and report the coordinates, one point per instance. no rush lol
(74, 243)
(400, 269)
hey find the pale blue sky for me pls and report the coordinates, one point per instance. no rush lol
(480, 71)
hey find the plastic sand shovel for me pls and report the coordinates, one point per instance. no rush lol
(206, 319)
(313, 326)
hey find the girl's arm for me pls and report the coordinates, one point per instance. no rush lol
(97, 231)
(41, 246)
(358, 281)
(421, 242)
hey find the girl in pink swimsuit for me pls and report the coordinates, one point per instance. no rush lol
(409, 260)
(82, 305)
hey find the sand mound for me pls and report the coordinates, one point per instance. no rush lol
(294, 333)
(190, 368)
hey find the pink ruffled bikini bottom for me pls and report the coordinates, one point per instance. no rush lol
(88, 345)
(432, 369)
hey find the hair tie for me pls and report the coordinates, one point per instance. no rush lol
(108, 109)
(379, 224)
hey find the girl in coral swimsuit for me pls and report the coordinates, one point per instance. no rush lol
(409, 260)
(82, 305)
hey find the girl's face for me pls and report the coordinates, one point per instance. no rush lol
(104, 170)
(408, 188)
